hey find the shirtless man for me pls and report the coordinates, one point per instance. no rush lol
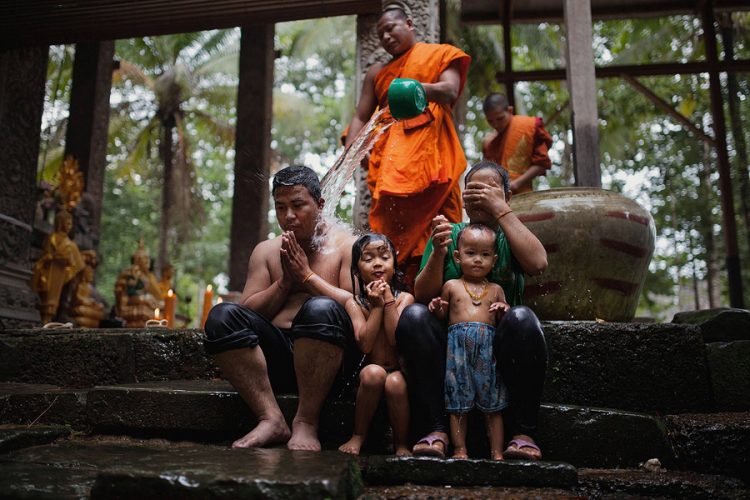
(290, 331)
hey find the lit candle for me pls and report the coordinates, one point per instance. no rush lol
(157, 313)
(170, 303)
(219, 301)
(207, 296)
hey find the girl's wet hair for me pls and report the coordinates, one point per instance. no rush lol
(397, 281)
(501, 172)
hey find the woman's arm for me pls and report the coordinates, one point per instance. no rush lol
(429, 281)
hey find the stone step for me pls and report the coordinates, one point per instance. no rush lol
(119, 469)
(211, 411)
(712, 443)
(14, 437)
(592, 483)
(631, 366)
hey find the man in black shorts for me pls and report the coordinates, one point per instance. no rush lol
(290, 332)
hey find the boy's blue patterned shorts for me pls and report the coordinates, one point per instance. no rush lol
(470, 374)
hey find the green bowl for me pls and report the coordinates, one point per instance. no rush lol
(406, 98)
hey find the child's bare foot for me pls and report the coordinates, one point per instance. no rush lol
(497, 455)
(403, 451)
(460, 454)
(353, 445)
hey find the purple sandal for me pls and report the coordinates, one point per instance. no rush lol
(430, 450)
(518, 453)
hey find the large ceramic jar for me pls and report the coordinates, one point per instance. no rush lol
(599, 244)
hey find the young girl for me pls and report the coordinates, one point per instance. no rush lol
(473, 306)
(374, 310)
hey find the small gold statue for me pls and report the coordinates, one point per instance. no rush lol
(87, 312)
(137, 292)
(60, 262)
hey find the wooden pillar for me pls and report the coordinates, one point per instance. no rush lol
(725, 180)
(23, 73)
(253, 149)
(87, 132)
(582, 88)
(508, 52)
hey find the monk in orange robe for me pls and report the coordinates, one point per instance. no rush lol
(414, 168)
(518, 143)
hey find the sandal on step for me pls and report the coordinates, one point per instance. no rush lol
(515, 450)
(429, 447)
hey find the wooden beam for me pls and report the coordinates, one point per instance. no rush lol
(729, 229)
(508, 51)
(36, 22)
(581, 80)
(618, 71)
(667, 108)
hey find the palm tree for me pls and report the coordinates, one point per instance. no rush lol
(168, 93)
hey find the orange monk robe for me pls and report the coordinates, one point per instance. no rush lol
(415, 167)
(524, 143)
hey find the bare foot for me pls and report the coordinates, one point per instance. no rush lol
(460, 454)
(497, 455)
(353, 445)
(304, 437)
(271, 431)
(403, 451)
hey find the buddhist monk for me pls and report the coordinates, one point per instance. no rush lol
(518, 143)
(415, 167)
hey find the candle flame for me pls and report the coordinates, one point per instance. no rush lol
(170, 293)
(156, 312)
(219, 300)
(209, 288)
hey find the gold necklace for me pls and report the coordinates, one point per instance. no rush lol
(476, 298)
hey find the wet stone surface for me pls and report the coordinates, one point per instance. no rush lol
(664, 484)
(13, 437)
(420, 492)
(153, 470)
(715, 443)
(729, 363)
(42, 404)
(433, 471)
(630, 366)
(84, 358)
(718, 325)
(593, 437)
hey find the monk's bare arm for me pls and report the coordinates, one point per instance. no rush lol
(392, 315)
(445, 90)
(366, 106)
(526, 177)
(486, 143)
(261, 294)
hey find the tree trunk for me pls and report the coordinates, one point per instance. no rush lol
(167, 194)
(735, 121)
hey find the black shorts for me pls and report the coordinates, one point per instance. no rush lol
(232, 326)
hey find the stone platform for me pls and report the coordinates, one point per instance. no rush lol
(144, 413)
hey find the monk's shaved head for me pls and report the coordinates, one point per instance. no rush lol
(394, 12)
(495, 101)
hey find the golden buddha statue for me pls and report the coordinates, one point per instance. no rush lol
(137, 292)
(87, 311)
(60, 262)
